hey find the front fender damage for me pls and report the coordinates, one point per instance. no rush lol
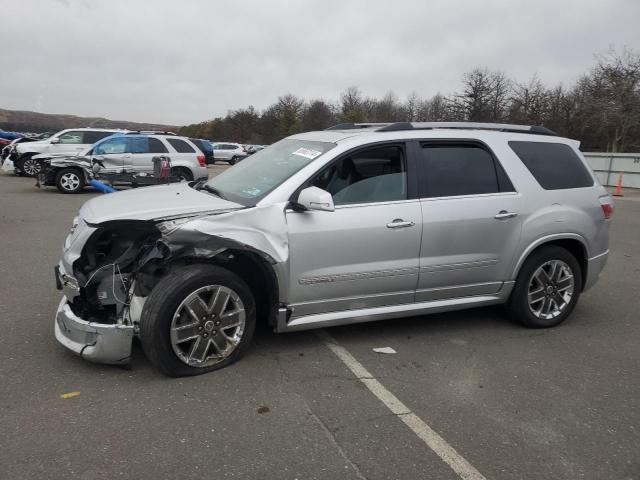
(123, 261)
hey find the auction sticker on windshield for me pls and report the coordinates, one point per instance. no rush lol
(307, 153)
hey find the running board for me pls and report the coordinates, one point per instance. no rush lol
(332, 319)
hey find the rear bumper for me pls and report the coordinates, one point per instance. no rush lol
(96, 342)
(594, 267)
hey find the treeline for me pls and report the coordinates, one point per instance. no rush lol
(602, 109)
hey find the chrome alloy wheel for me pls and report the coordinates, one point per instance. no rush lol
(31, 167)
(207, 326)
(70, 181)
(550, 289)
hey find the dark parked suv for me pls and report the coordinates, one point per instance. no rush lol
(205, 147)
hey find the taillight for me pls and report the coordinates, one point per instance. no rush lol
(201, 160)
(607, 206)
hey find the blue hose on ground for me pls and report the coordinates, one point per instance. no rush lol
(101, 186)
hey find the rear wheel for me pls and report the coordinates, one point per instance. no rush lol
(182, 174)
(29, 166)
(69, 180)
(199, 318)
(547, 288)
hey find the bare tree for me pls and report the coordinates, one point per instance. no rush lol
(615, 91)
(602, 109)
(411, 107)
(351, 106)
(529, 103)
(318, 115)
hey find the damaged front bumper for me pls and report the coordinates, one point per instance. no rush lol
(96, 342)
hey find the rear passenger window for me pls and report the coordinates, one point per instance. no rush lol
(554, 165)
(451, 170)
(156, 146)
(180, 145)
(92, 137)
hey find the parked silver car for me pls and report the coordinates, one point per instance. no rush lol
(228, 152)
(352, 224)
(125, 153)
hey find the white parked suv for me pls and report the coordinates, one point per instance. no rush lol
(65, 142)
(228, 152)
(126, 153)
(352, 224)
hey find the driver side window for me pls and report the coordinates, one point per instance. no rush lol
(373, 175)
(111, 146)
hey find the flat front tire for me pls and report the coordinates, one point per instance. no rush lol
(547, 288)
(197, 319)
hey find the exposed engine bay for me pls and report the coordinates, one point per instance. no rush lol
(123, 260)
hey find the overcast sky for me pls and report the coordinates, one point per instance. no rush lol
(186, 61)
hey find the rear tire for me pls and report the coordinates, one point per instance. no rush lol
(69, 180)
(183, 174)
(171, 342)
(547, 288)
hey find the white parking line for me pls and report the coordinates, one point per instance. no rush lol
(424, 432)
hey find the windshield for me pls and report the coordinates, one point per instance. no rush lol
(252, 179)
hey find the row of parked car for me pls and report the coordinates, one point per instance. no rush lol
(70, 158)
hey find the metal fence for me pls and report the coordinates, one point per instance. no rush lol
(607, 167)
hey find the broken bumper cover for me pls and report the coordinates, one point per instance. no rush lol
(96, 342)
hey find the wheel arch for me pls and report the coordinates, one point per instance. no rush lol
(181, 167)
(250, 267)
(571, 242)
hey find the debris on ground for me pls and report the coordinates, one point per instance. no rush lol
(384, 350)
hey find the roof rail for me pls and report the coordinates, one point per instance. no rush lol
(354, 126)
(148, 132)
(400, 126)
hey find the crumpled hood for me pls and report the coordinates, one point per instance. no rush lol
(149, 203)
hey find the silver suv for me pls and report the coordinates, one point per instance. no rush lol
(352, 224)
(130, 152)
(65, 142)
(229, 152)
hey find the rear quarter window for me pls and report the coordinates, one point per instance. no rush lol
(180, 145)
(554, 165)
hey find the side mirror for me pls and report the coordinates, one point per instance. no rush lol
(55, 140)
(314, 198)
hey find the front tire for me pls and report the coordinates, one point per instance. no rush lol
(28, 166)
(547, 288)
(69, 180)
(233, 161)
(197, 319)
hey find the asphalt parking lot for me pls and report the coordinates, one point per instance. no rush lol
(513, 403)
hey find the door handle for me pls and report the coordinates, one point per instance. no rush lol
(128, 155)
(503, 214)
(400, 223)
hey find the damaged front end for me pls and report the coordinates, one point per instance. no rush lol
(52, 164)
(97, 276)
(108, 270)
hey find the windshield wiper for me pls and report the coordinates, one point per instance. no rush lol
(210, 189)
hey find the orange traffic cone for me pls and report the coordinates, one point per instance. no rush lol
(618, 192)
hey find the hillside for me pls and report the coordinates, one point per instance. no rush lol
(23, 121)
